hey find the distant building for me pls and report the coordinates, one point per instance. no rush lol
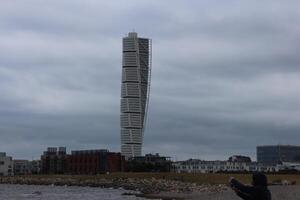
(239, 158)
(151, 158)
(57, 161)
(53, 161)
(149, 163)
(6, 165)
(35, 166)
(94, 162)
(202, 166)
(21, 167)
(115, 162)
(136, 71)
(278, 153)
(287, 166)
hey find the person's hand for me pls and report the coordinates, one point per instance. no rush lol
(230, 183)
(230, 179)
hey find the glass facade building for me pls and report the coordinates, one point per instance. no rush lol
(136, 71)
(278, 153)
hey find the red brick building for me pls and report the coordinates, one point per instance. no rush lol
(94, 162)
(56, 161)
(116, 162)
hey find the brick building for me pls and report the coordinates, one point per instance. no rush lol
(57, 161)
(94, 162)
(116, 162)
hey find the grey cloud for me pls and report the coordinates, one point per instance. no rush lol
(225, 75)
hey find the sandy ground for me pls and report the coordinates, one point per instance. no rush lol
(278, 193)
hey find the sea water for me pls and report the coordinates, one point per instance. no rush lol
(26, 192)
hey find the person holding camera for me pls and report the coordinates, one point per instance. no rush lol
(258, 191)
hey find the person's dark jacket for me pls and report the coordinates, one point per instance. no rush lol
(258, 191)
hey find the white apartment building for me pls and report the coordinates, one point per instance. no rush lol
(6, 165)
(201, 166)
(289, 166)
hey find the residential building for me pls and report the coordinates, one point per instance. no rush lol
(201, 166)
(287, 166)
(21, 167)
(136, 75)
(6, 165)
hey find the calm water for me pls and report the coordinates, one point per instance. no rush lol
(25, 192)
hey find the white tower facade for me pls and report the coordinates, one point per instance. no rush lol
(136, 75)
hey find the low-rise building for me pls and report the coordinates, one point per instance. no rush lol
(201, 166)
(239, 158)
(6, 165)
(115, 162)
(149, 163)
(35, 166)
(25, 167)
(94, 162)
(57, 161)
(21, 167)
(288, 166)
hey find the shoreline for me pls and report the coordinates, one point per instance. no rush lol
(154, 186)
(127, 193)
(290, 192)
(146, 188)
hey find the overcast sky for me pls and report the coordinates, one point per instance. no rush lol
(225, 76)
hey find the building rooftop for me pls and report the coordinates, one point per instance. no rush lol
(91, 151)
(2, 154)
(132, 34)
(279, 145)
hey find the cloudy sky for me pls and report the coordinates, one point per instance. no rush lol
(226, 75)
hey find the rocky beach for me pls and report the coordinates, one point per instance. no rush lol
(144, 186)
(152, 187)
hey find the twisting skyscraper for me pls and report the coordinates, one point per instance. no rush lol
(136, 75)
